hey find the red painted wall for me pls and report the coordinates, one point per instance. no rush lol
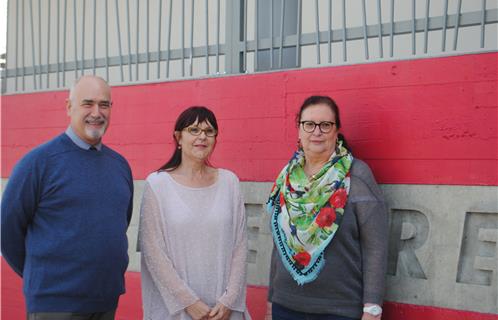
(427, 121)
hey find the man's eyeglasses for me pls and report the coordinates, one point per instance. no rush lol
(324, 126)
(196, 131)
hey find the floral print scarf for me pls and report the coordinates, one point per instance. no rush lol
(306, 212)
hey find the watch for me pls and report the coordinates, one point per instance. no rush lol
(374, 310)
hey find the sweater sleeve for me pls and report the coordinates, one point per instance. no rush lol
(130, 205)
(373, 225)
(19, 203)
(235, 295)
(174, 291)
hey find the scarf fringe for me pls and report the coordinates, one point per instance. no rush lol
(285, 258)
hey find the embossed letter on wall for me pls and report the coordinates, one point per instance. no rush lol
(409, 230)
(478, 253)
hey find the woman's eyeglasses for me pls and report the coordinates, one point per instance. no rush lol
(324, 126)
(196, 131)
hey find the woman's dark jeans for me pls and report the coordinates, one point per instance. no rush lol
(279, 312)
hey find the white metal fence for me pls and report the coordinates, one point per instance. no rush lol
(52, 42)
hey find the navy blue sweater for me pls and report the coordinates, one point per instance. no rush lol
(65, 212)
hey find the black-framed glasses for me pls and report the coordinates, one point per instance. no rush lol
(324, 126)
(196, 131)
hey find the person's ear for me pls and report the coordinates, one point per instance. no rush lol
(68, 106)
(177, 135)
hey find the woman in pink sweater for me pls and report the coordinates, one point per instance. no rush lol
(193, 234)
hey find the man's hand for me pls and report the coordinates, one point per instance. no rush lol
(220, 312)
(198, 311)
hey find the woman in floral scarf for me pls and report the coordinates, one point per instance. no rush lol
(329, 226)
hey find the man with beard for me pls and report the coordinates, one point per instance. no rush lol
(65, 212)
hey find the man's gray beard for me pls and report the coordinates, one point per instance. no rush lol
(95, 133)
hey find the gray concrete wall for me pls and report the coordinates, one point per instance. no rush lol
(442, 243)
(443, 246)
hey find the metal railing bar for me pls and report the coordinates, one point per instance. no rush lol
(58, 40)
(281, 53)
(344, 32)
(137, 37)
(364, 20)
(118, 29)
(445, 15)
(256, 36)
(147, 36)
(170, 17)
(39, 44)
(206, 17)
(128, 24)
(183, 38)
(414, 19)
(94, 34)
(379, 16)
(426, 29)
(317, 33)
(64, 28)
(75, 29)
(48, 42)
(483, 18)
(23, 64)
(191, 58)
(7, 55)
(106, 12)
(391, 35)
(160, 13)
(218, 36)
(455, 35)
(329, 29)
(271, 34)
(32, 42)
(244, 54)
(17, 44)
(83, 37)
(114, 61)
(298, 34)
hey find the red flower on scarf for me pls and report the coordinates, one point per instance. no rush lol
(302, 258)
(325, 217)
(338, 199)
